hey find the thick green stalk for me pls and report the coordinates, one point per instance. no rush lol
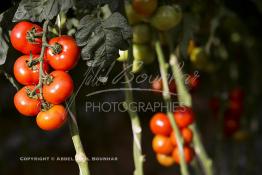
(80, 157)
(135, 122)
(185, 99)
(167, 98)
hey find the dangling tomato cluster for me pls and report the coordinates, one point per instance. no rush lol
(233, 112)
(145, 16)
(44, 99)
(164, 142)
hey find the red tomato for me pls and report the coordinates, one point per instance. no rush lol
(165, 160)
(159, 124)
(162, 144)
(184, 116)
(59, 89)
(28, 106)
(231, 125)
(66, 55)
(187, 135)
(52, 119)
(26, 75)
(188, 154)
(193, 82)
(158, 85)
(236, 94)
(144, 7)
(20, 37)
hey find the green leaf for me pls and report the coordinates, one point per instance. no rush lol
(39, 10)
(5, 25)
(101, 39)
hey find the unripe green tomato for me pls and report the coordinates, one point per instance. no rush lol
(123, 55)
(141, 34)
(132, 16)
(143, 52)
(199, 58)
(137, 66)
(166, 17)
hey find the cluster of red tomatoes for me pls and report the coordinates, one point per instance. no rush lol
(43, 99)
(164, 142)
(233, 111)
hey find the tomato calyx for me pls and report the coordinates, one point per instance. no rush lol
(31, 93)
(56, 48)
(48, 79)
(45, 106)
(32, 35)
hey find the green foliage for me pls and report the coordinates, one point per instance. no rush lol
(39, 10)
(101, 39)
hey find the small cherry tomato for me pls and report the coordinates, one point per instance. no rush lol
(199, 58)
(144, 7)
(188, 154)
(26, 104)
(162, 144)
(52, 119)
(166, 17)
(187, 135)
(184, 116)
(25, 74)
(165, 160)
(231, 124)
(159, 124)
(193, 81)
(59, 88)
(132, 16)
(141, 34)
(64, 53)
(25, 37)
(157, 85)
(236, 94)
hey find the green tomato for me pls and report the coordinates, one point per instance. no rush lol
(199, 58)
(132, 16)
(141, 34)
(166, 17)
(137, 66)
(144, 53)
(123, 55)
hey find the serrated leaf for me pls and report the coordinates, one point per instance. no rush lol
(39, 10)
(101, 39)
(5, 25)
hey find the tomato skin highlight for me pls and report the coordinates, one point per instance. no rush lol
(162, 144)
(59, 89)
(69, 55)
(52, 119)
(26, 105)
(19, 40)
(159, 124)
(26, 75)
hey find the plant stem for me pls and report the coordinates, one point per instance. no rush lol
(135, 122)
(166, 96)
(185, 99)
(80, 157)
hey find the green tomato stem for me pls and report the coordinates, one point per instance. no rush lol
(135, 122)
(185, 99)
(166, 96)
